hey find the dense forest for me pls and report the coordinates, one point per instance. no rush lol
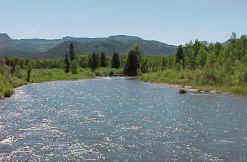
(199, 64)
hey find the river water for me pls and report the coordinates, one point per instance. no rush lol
(121, 119)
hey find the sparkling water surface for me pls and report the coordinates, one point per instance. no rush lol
(121, 119)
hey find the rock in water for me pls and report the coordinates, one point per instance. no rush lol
(182, 91)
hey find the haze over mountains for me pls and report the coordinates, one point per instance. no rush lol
(58, 47)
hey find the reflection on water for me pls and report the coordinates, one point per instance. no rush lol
(123, 120)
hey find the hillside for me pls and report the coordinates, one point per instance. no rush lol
(58, 47)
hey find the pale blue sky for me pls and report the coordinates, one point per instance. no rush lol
(169, 21)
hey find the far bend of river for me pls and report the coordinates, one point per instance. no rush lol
(121, 120)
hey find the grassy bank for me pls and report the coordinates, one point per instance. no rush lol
(8, 82)
(45, 75)
(196, 79)
(7, 85)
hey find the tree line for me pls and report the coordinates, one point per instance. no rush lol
(94, 61)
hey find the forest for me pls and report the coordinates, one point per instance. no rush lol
(207, 66)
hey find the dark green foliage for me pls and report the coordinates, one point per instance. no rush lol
(111, 73)
(67, 63)
(83, 61)
(93, 61)
(133, 62)
(138, 53)
(131, 67)
(115, 61)
(103, 61)
(71, 52)
(180, 56)
(8, 92)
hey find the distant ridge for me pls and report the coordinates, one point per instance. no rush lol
(58, 47)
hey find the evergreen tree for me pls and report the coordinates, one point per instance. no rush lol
(67, 63)
(103, 60)
(115, 61)
(138, 52)
(197, 45)
(71, 52)
(180, 56)
(131, 67)
(93, 62)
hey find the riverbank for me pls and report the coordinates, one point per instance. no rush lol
(8, 83)
(192, 82)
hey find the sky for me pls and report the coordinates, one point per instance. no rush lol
(170, 21)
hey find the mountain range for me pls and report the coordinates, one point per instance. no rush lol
(38, 48)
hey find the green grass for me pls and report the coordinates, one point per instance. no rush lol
(45, 75)
(9, 82)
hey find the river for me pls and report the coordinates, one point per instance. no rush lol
(121, 119)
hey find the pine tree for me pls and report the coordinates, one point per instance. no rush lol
(180, 56)
(131, 67)
(103, 60)
(115, 61)
(67, 63)
(93, 62)
(139, 55)
(71, 52)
